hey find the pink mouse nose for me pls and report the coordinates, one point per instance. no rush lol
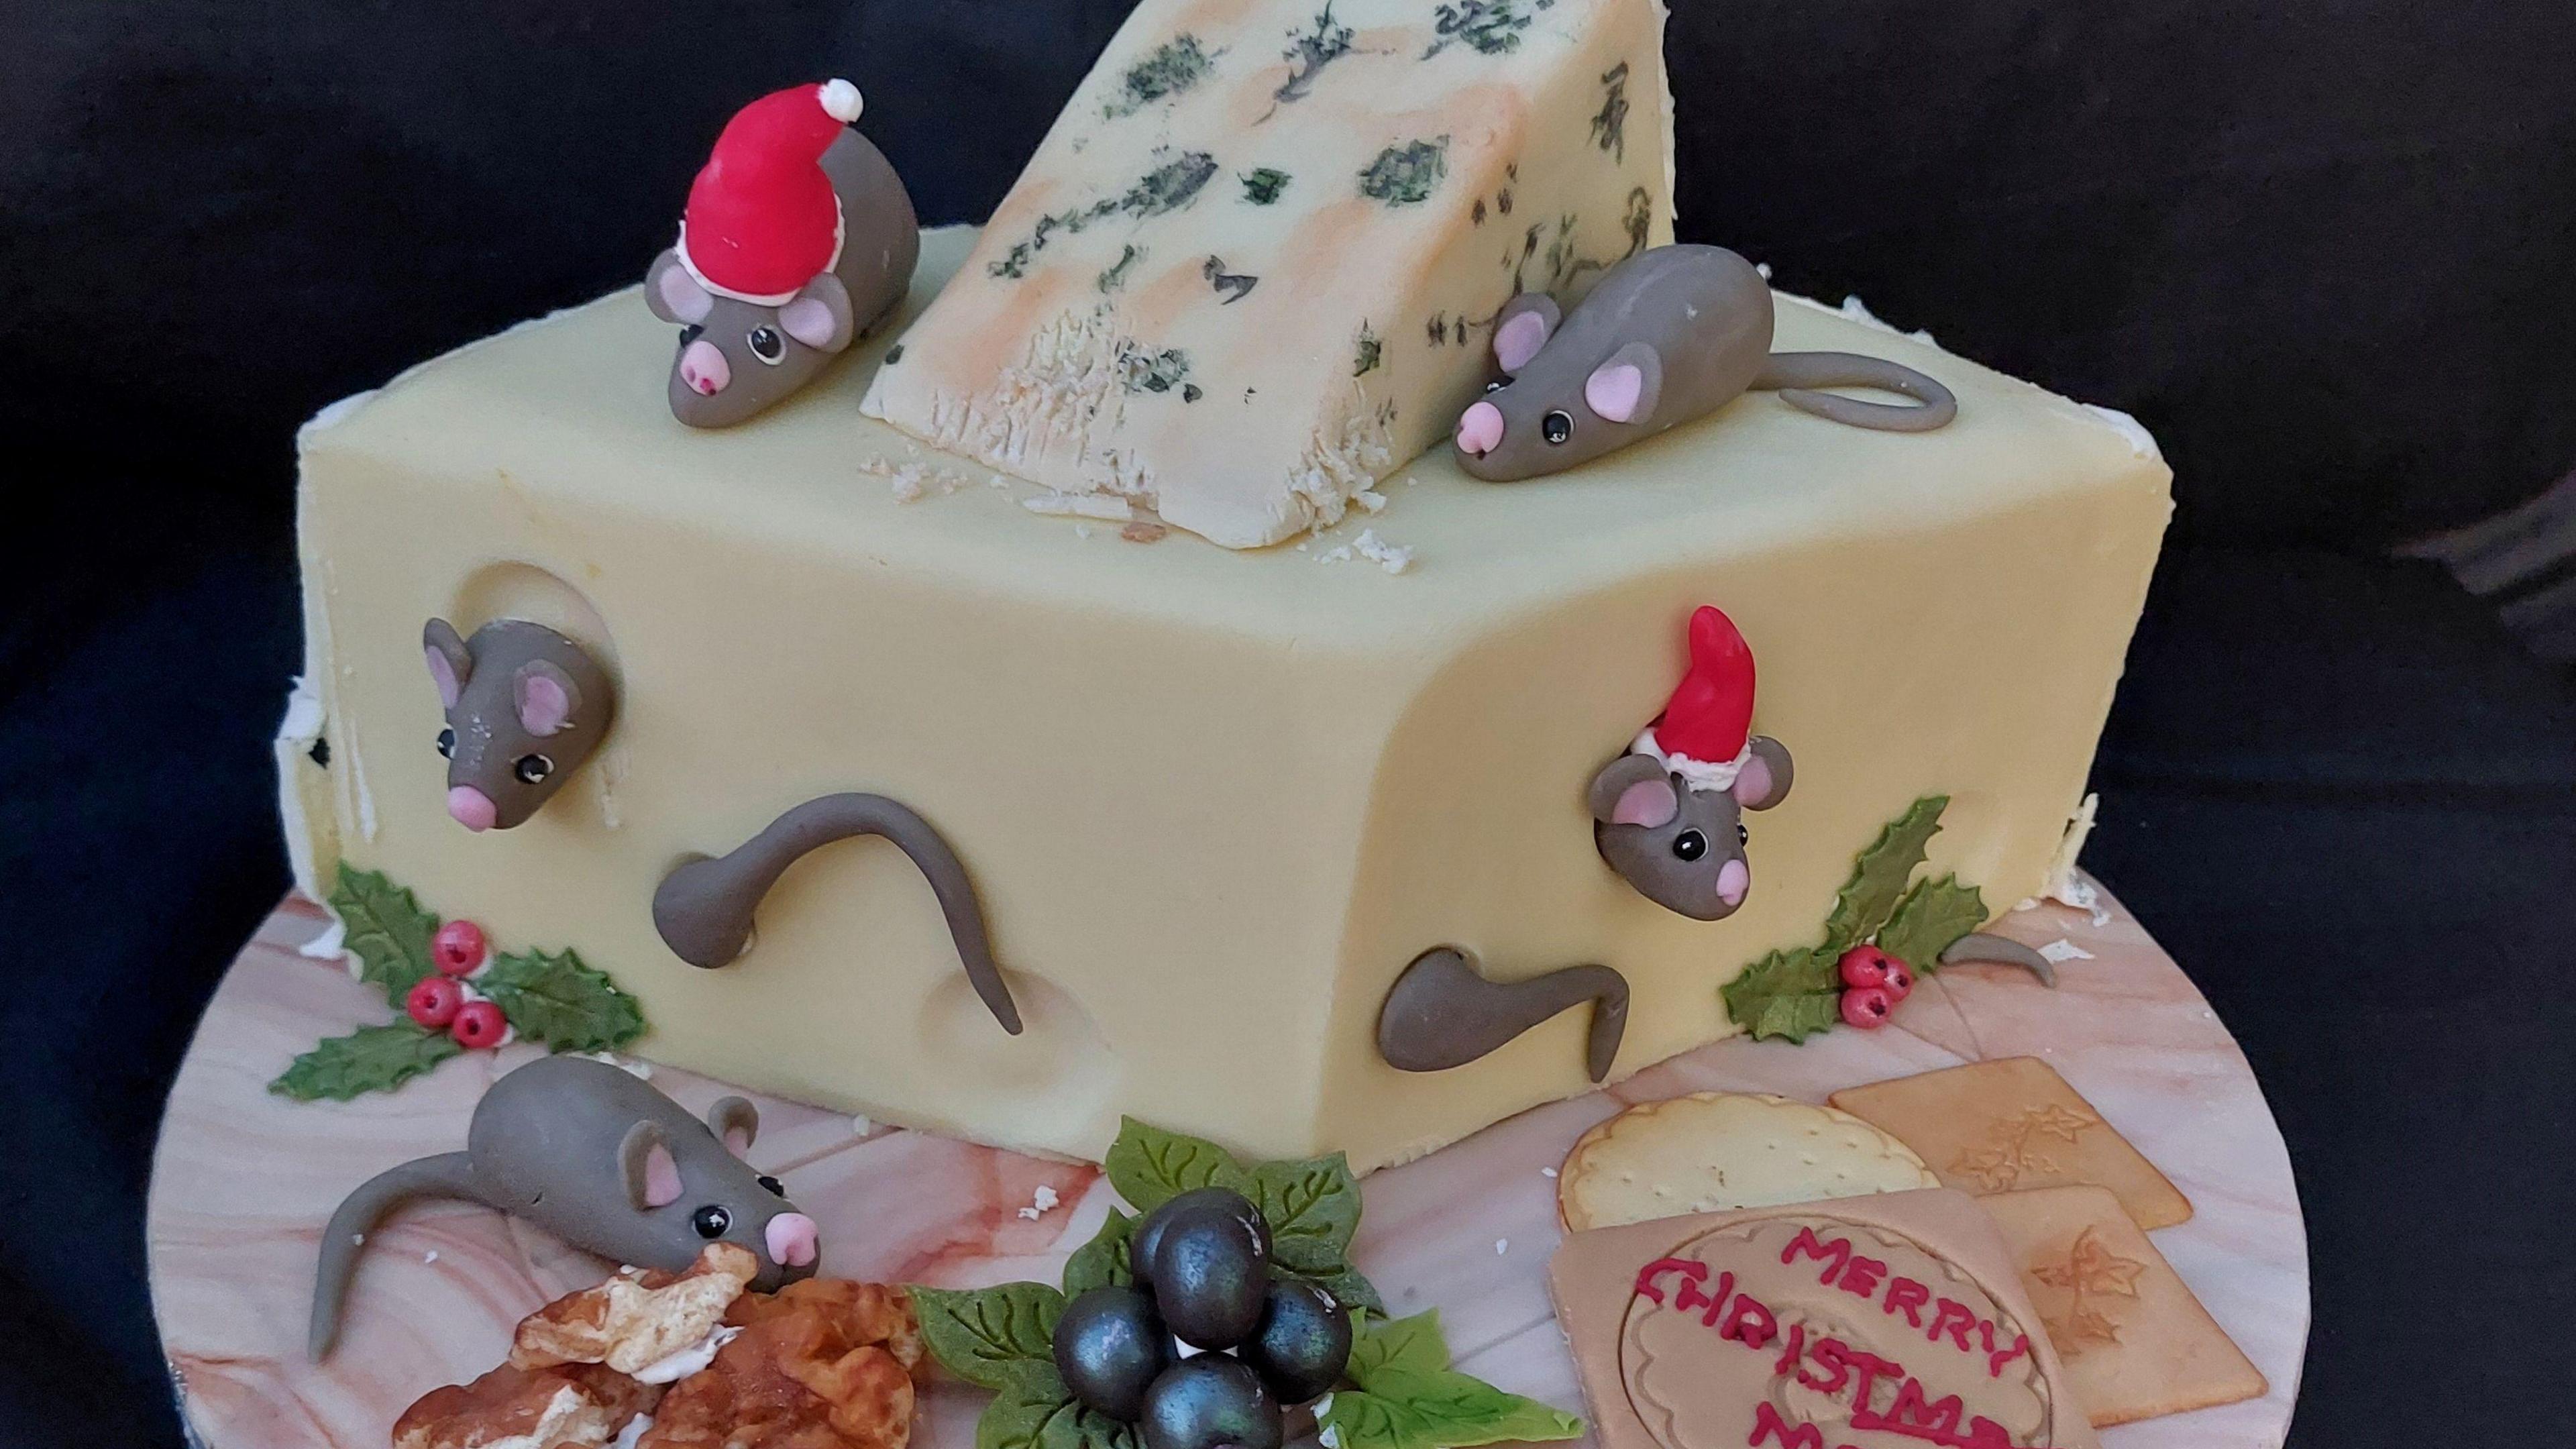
(472, 808)
(1480, 429)
(792, 1238)
(1733, 880)
(704, 369)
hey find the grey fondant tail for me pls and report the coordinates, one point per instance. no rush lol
(703, 909)
(449, 1174)
(1796, 376)
(1443, 1012)
(2002, 951)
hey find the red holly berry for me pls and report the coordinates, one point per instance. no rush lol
(1866, 1007)
(1865, 965)
(433, 1001)
(479, 1024)
(1899, 983)
(458, 947)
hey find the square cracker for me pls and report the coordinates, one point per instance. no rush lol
(2135, 1342)
(2010, 1125)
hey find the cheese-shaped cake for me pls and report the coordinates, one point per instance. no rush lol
(1257, 263)
(1214, 803)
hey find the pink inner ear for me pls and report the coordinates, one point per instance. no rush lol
(1650, 803)
(809, 322)
(1612, 391)
(1519, 340)
(543, 706)
(1753, 782)
(443, 674)
(681, 293)
(661, 1178)
(737, 1142)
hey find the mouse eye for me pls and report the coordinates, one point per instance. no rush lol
(1557, 426)
(692, 333)
(532, 768)
(711, 1221)
(1497, 385)
(447, 744)
(1690, 845)
(1742, 835)
(767, 345)
(776, 1187)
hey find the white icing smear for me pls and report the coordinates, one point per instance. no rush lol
(687, 1361)
(2142, 443)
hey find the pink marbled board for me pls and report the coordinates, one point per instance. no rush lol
(243, 1180)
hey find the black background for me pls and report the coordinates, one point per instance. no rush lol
(2325, 250)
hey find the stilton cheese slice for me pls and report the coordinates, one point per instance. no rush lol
(1254, 267)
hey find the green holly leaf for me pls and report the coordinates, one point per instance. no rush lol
(1041, 1414)
(1796, 1018)
(387, 930)
(1150, 1166)
(1404, 1408)
(1931, 918)
(1413, 1345)
(1001, 1337)
(370, 1059)
(1777, 995)
(551, 997)
(1102, 1262)
(1878, 876)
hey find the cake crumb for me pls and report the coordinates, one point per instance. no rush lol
(1547, 1172)
(862, 1126)
(1393, 558)
(1370, 499)
(2063, 950)
(1079, 505)
(1041, 1204)
(1141, 531)
(429, 1257)
(1502, 1246)
(1082, 530)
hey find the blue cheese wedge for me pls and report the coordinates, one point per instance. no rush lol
(1254, 267)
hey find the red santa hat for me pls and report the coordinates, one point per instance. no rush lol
(1706, 727)
(763, 219)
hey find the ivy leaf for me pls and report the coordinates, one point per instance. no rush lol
(370, 1059)
(1042, 1414)
(1150, 1166)
(1774, 996)
(1413, 1345)
(1347, 1285)
(1001, 1337)
(1312, 1207)
(1405, 1408)
(387, 930)
(553, 998)
(1102, 1262)
(1878, 877)
(1931, 918)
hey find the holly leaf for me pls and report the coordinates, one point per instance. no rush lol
(551, 997)
(1931, 918)
(1102, 1262)
(370, 1059)
(1150, 1166)
(1413, 1345)
(386, 929)
(1792, 994)
(1001, 1337)
(1312, 1208)
(1042, 1414)
(1404, 1408)
(1879, 874)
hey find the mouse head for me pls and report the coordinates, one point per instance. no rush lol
(738, 357)
(524, 705)
(1549, 411)
(1683, 847)
(687, 1189)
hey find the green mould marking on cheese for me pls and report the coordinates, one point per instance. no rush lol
(1367, 352)
(1142, 371)
(1610, 128)
(1407, 175)
(1309, 51)
(1493, 27)
(1115, 275)
(1232, 286)
(1167, 188)
(1262, 185)
(1174, 67)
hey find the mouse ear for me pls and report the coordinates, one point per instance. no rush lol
(1764, 781)
(735, 1122)
(1522, 328)
(1633, 790)
(450, 662)
(545, 696)
(1624, 388)
(673, 294)
(652, 1177)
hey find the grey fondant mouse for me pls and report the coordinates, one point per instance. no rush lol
(603, 1161)
(1669, 335)
(525, 706)
(799, 238)
(1668, 815)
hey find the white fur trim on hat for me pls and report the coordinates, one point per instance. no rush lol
(840, 235)
(1698, 774)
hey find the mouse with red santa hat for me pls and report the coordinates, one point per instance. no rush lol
(798, 240)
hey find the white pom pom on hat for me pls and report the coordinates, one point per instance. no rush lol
(842, 101)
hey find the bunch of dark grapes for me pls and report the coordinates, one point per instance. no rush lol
(1202, 1266)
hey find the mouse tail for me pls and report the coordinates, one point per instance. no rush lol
(449, 1174)
(703, 908)
(1799, 378)
(2002, 951)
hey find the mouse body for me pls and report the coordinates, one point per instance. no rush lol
(1669, 335)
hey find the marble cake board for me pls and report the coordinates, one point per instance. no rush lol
(242, 1182)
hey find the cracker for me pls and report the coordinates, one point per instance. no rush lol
(1719, 1151)
(2135, 1342)
(2009, 1125)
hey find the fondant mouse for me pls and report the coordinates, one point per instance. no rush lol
(1668, 816)
(799, 239)
(603, 1161)
(524, 705)
(1669, 335)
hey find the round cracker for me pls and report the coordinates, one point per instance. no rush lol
(1718, 1151)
